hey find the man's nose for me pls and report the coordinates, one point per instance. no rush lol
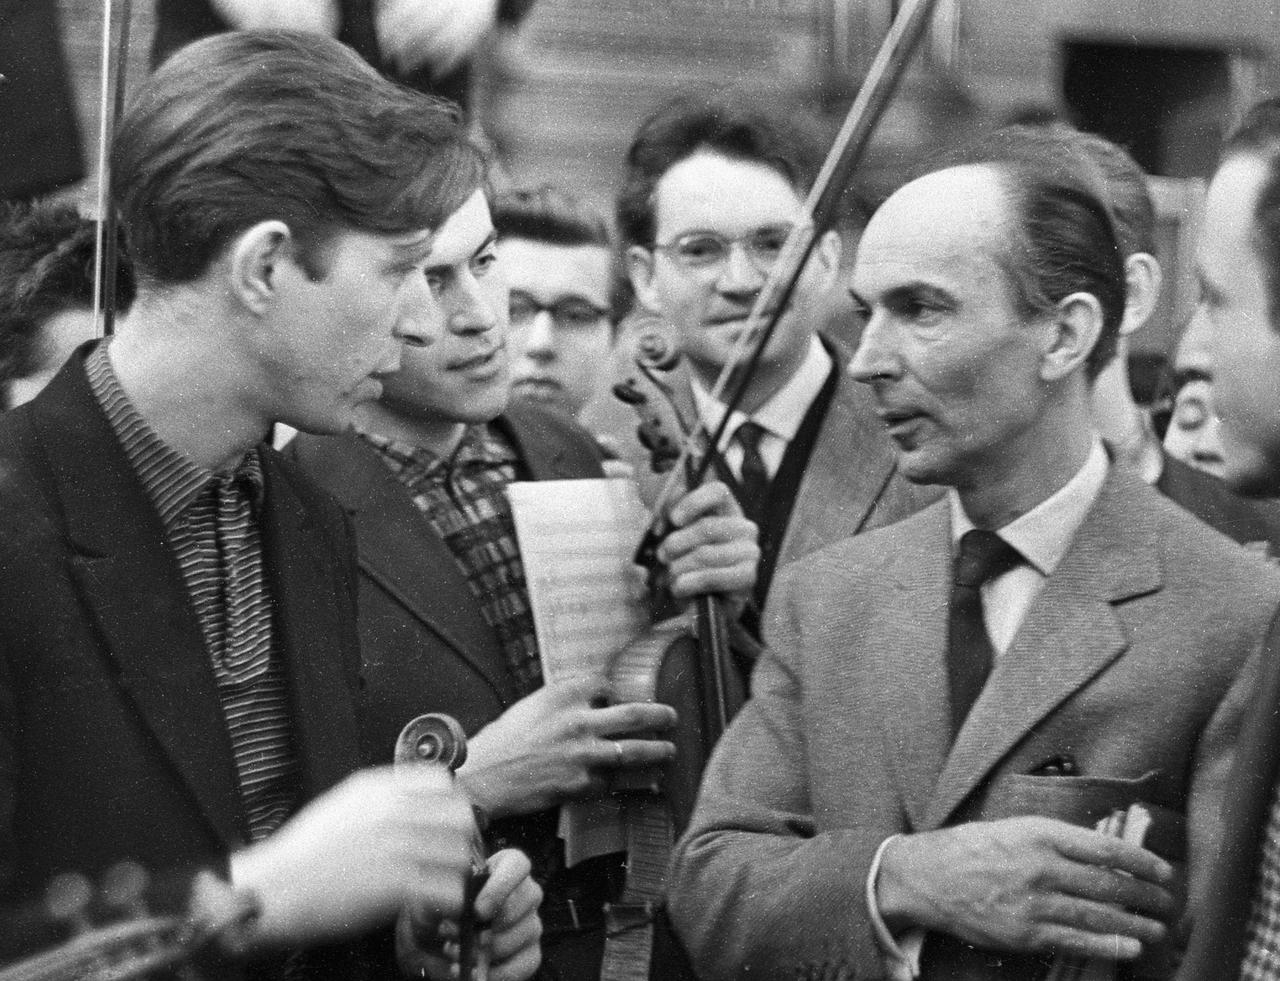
(875, 357)
(471, 310)
(739, 274)
(421, 320)
(538, 336)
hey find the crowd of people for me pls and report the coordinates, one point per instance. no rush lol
(1012, 661)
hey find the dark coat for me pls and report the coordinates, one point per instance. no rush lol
(112, 739)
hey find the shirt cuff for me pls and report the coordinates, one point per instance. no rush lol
(902, 953)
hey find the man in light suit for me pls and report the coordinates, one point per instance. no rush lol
(913, 788)
(1238, 935)
(179, 665)
(712, 188)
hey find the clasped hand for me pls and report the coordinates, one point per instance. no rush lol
(1029, 884)
(561, 742)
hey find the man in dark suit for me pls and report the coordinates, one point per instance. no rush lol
(712, 188)
(948, 706)
(1238, 934)
(445, 623)
(178, 658)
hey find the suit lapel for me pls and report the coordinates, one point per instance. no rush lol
(400, 551)
(312, 633)
(907, 641)
(1070, 634)
(134, 591)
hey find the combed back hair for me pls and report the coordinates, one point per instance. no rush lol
(47, 264)
(723, 122)
(550, 214)
(251, 126)
(1063, 238)
(1258, 135)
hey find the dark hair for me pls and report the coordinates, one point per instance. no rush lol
(724, 122)
(47, 264)
(553, 215)
(1064, 237)
(249, 126)
(1258, 135)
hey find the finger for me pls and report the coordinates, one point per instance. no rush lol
(508, 869)
(1107, 886)
(629, 717)
(509, 942)
(704, 533)
(1101, 919)
(711, 498)
(621, 754)
(590, 689)
(523, 965)
(720, 580)
(1095, 848)
(1080, 943)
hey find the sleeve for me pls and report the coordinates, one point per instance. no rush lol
(756, 889)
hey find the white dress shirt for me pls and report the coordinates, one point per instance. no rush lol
(1042, 537)
(780, 417)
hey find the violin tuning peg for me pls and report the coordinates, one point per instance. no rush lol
(67, 899)
(124, 888)
(629, 393)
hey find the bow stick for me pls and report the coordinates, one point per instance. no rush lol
(111, 104)
(775, 295)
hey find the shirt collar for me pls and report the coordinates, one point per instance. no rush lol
(783, 414)
(1043, 535)
(479, 444)
(171, 479)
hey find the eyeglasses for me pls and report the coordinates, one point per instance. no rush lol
(710, 250)
(567, 313)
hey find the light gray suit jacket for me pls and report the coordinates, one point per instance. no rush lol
(1134, 661)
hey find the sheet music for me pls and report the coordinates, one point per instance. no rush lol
(578, 540)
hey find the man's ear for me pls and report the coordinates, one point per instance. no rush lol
(639, 262)
(254, 264)
(1074, 330)
(1142, 279)
(825, 261)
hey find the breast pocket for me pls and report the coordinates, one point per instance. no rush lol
(1087, 800)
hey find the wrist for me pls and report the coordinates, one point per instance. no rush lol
(896, 893)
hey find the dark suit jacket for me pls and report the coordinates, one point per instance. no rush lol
(1214, 503)
(1135, 660)
(112, 740)
(426, 645)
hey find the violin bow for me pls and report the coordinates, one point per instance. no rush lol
(820, 205)
(110, 106)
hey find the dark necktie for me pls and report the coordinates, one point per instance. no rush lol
(984, 555)
(753, 475)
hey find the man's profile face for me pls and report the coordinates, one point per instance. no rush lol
(337, 339)
(560, 331)
(953, 368)
(1244, 346)
(464, 377)
(708, 304)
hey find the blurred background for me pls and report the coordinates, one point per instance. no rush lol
(559, 91)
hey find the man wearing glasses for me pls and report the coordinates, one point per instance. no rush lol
(566, 294)
(713, 187)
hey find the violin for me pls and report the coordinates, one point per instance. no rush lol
(436, 739)
(116, 937)
(701, 666)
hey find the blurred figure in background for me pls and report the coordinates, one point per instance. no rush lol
(46, 294)
(426, 44)
(1193, 435)
(566, 294)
